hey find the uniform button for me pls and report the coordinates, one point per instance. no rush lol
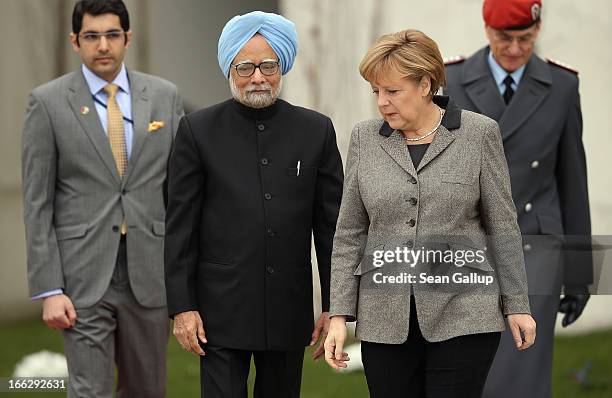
(270, 270)
(535, 164)
(412, 180)
(264, 161)
(413, 201)
(411, 223)
(410, 244)
(261, 127)
(267, 196)
(527, 247)
(528, 207)
(115, 228)
(270, 232)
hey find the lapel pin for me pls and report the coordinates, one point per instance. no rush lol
(153, 126)
(84, 110)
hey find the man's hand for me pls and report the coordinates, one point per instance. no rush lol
(334, 343)
(572, 306)
(522, 323)
(188, 329)
(58, 312)
(320, 331)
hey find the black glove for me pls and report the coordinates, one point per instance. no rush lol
(572, 306)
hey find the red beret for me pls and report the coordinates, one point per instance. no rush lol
(511, 14)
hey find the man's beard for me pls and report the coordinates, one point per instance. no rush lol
(252, 99)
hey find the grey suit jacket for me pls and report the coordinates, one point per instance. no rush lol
(74, 199)
(460, 188)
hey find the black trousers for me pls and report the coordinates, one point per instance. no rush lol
(224, 373)
(454, 368)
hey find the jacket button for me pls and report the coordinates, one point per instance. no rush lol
(270, 270)
(115, 228)
(264, 161)
(261, 127)
(410, 244)
(413, 201)
(535, 164)
(527, 247)
(267, 196)
(411, 223)
(412, 180)
(528, 207)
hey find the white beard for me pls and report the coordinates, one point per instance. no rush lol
(255, 100)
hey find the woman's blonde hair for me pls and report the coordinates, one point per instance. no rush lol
(411, 53)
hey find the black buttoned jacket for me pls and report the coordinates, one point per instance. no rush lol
(247, 189)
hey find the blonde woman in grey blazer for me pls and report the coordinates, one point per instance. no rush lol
(427, 178)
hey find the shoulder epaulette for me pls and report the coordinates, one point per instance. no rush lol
(454, 60)
(562, 65)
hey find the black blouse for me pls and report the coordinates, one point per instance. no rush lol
(416, 153)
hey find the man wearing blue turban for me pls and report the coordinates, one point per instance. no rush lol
(278, 31)
(250, 180)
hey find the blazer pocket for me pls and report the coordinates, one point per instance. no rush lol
(159, 228)
(217, 262)
(71, 232)
(458, 179)
(481, 266)
(367, 261)
(304, 172)
(549, 225)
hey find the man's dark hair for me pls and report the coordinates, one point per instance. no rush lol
(99, 7)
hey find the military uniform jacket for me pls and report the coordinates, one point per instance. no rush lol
(247, 189)
(541, 130)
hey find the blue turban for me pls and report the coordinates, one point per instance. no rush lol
(278, 31)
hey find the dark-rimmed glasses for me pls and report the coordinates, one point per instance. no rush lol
(246, 69)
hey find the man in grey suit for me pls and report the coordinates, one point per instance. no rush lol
(95, 148)
(537, 105)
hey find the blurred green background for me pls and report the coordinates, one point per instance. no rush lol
(319, 381)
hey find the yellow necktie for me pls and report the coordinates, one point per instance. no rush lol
(116, 136)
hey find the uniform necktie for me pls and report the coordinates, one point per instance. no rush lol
(116, 136)
(508, 81)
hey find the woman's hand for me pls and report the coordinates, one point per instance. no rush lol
(522, 323)
(334, 343)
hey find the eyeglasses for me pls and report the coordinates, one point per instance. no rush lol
(246, 69)
(95, 37)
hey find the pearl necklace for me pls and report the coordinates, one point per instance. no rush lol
(428, 134)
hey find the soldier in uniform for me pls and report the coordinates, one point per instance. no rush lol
(537, 106)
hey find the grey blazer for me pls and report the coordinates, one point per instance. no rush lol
(74, 199)
(460, 188)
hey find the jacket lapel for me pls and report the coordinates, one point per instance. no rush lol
(141, 113)
(532, 90)
(480, 86)
(440, 142)
(79, 97)
(443, 138)
(393, 143)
